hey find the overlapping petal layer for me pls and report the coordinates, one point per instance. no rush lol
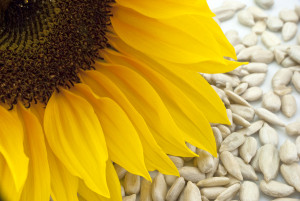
(75, 136)
(8, 188)
(12, 151)
(186, 115)
(190, 82)
(155, 39)
(123, 143)
(113, 184)
(135, 103)
(64, 185)
(37, 186)
(168, 8)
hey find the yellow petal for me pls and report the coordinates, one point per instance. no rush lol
(37, 186)
(155, 158)
(64, 185)
(184, 112)
(75, 136)
(204, 29)
(123, 143)
(145, 101)
(209, 66)
(206, 66)
(113, 185)
(8, 189)
(193, 84)
(158, 39)
(201, 93)
(39, 111)
(11, 147)
(167, 8)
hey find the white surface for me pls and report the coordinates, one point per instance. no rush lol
(272, 68)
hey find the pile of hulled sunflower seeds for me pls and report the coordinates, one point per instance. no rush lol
(252, 163)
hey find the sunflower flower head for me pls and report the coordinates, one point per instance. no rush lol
(85, 84)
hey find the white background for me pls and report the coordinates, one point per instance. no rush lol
(273, 67)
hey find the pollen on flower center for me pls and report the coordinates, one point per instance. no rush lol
(45, 43)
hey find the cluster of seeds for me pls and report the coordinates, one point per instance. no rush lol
(249, 163)
(45, 43)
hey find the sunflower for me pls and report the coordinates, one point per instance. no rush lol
(88, 83)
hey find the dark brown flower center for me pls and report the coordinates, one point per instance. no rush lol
(45, 43)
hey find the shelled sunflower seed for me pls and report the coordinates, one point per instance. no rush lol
(258, 13)
(192, 174)
(238, 48)
(289, 31)
(212, 192)
(259, 27)
(254, 79)
(291, 174)
(264, 56)
(269, 117)
(266, 4)
(288, 62)
(247, 170)
(224, 13)
(293, 128)
(268, 135)
(271, 101)
(246, 18)
(288, 152)
(229, 192)
(214, 168)
(288, 15)
(276, 189)
(294, 53)
(232, 142)
(250, 39)
(132, 184)
(279, 55)
(231, 165)
(221, 171)
(250, 153)
(159, 188)
(253, 94)
(145, 194)
(121, 172)
(175, 189)
(274, 23)
(248, 149)
(252, 129)
(236, 5)
(205, 161)
(269, 161)
(282, 78)
(249, 191)
(129, 198)
(270, 39)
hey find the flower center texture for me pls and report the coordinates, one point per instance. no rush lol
(45, 43)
